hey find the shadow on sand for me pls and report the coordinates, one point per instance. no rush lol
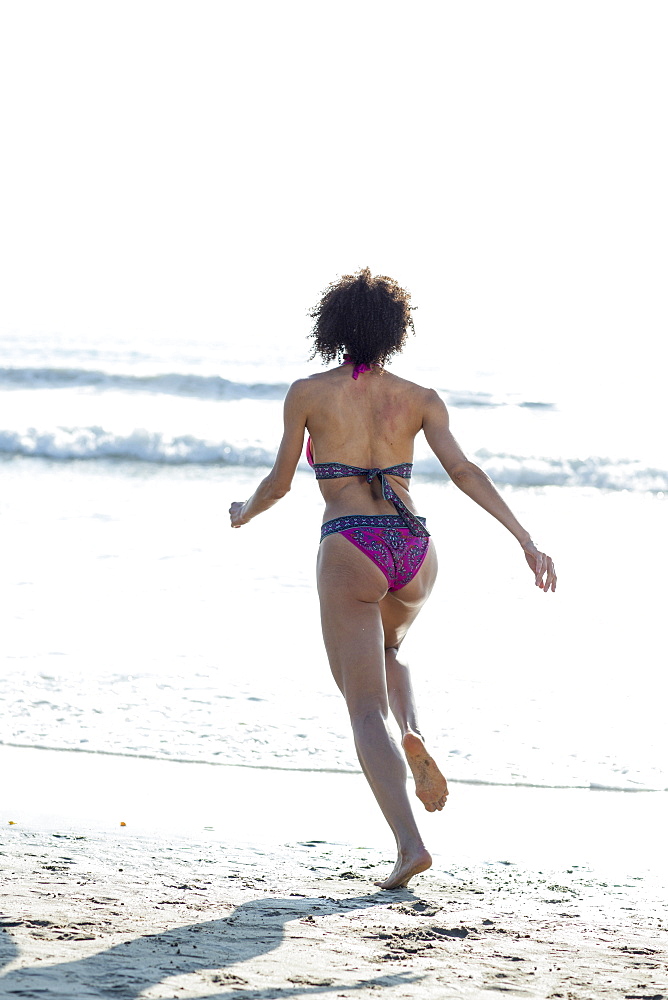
(125, 970)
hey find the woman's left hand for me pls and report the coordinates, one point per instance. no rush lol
(236, 519)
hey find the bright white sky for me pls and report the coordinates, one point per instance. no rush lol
(199, 168)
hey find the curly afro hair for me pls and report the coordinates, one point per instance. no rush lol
(368, 317)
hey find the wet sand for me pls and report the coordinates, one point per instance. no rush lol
(93, 909)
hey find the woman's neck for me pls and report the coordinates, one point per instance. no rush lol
(358, 369)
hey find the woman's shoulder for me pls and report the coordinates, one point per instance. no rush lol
(301, 385)
(304, 392)
(408, 386)
(308, 384)
(315, 383)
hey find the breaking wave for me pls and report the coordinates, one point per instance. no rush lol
(92, 443)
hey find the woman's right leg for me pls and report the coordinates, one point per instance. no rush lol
(350, 587)
(399, 610)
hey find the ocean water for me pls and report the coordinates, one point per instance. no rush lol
(135, 622)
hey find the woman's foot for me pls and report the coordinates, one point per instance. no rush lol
(430, 786)
(409, 863)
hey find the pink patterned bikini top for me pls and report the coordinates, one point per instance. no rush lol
(336, 470)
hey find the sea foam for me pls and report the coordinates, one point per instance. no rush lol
(140, 445)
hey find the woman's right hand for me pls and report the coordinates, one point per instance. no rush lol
(541, 566)
(236, 519)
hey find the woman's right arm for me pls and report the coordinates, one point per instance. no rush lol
(477, 485)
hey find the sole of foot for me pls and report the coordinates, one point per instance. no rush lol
(430, 786)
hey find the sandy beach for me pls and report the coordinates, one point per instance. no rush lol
(91, 908)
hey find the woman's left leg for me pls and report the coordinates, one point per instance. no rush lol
(399, 610)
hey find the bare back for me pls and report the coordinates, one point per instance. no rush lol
(370, 422)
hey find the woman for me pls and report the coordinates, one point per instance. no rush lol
(376, 563)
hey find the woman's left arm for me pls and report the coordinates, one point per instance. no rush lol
(279, 480)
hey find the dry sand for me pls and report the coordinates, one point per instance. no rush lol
(121, 915)
(213, 889)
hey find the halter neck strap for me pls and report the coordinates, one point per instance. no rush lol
(347, 360)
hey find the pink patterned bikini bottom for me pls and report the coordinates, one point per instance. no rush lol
(387, 542)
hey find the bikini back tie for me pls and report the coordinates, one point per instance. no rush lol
(336, 470)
